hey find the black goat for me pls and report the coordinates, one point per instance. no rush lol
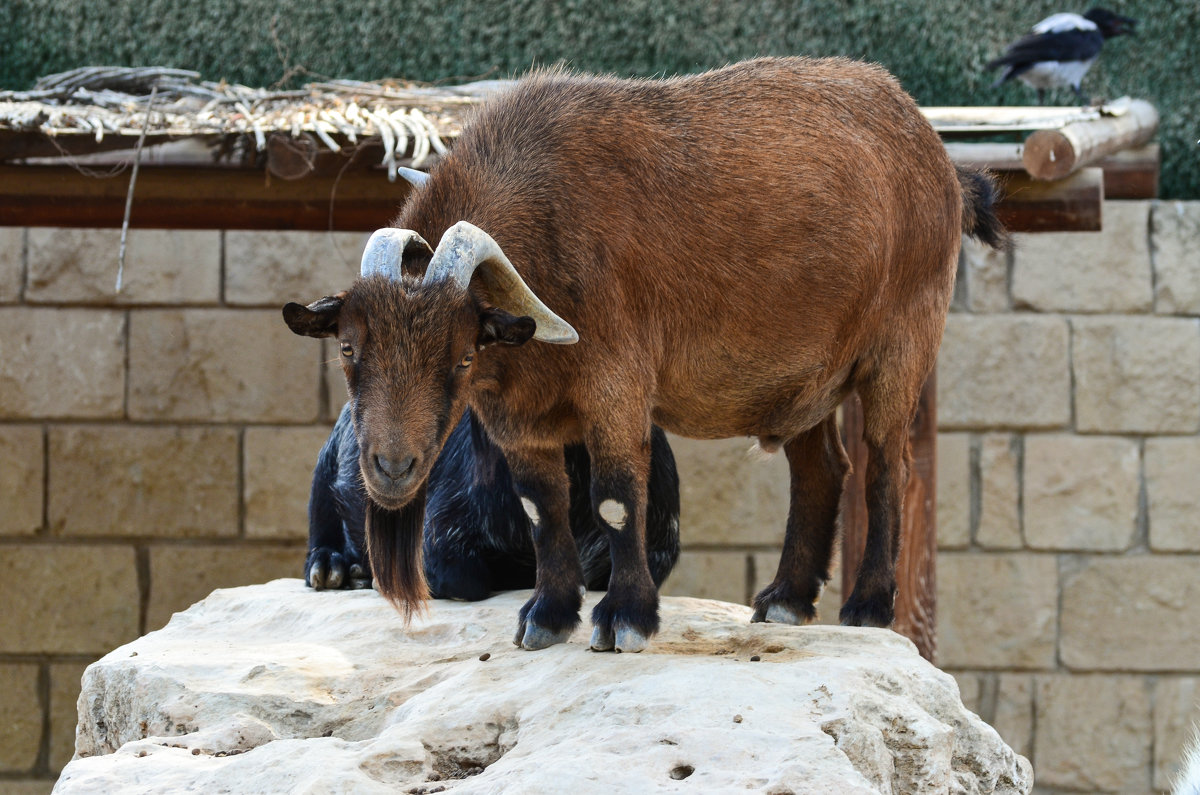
(477, 535)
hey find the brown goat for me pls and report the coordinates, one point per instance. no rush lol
(737, 250)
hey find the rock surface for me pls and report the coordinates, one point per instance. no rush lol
(275, 688)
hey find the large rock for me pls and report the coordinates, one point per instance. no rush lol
(277, 688)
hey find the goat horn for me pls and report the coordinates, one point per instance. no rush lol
(384, 254)
(418, 179)
(465, 247)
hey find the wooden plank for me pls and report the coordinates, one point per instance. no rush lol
(916, 597)
(1070, 205)
(1053, 154)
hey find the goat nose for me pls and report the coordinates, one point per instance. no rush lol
(396, 471)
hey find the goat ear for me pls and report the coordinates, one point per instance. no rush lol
(498, 326)
(318, 319)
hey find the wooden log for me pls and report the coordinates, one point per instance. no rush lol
(916, 597)
(1053, 154)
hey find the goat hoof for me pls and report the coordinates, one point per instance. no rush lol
(877, 611)
(602, 639)
(536, 637)
(776, 614)
(326, 569)
(629, 640)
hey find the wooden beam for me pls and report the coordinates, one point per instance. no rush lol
(1069, 205)
(916, 569)
(191, 198)
(1053, 154)
(359, 199)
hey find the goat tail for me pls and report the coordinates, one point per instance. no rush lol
(394, 541)
(980, 195)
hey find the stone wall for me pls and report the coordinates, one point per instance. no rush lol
(158, 444)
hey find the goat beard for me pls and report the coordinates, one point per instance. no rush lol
(394, 541)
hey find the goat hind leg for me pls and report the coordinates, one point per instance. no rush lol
(872, 602)
(818, 465)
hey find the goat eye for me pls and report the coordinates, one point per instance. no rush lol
(465, 362)
(347, 350)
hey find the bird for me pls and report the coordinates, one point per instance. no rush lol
(1060, 49)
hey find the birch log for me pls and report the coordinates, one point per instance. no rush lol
(1053, 154)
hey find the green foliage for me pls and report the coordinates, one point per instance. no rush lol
(937, 49)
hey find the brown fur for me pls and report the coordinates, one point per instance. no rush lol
(738, 250)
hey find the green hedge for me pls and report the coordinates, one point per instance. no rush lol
(937, 49)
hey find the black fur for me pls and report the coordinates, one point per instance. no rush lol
(477, 538)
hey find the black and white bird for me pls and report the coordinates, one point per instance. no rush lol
(1060, 49)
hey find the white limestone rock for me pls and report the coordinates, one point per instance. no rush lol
(276, 688)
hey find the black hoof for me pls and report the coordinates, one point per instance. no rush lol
(328, 569)
(778, 604)
(877, 610)
(624, 624)
(545, 620)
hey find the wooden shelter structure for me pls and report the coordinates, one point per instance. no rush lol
(206, 155)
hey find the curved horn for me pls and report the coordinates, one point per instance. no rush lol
(418, 179)
(465, 247)
(384, 254)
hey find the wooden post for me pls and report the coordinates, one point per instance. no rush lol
(916, 598)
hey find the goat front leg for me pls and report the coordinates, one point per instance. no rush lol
(627, 616)
(552, 613)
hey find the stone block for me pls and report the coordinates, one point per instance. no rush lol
(334, 383)
(1176, 718)
(1080, 492)
(162, 266)
(220, 365)
(953, 490)
(278, 476)
(830, 602)
(21, 479)
(29, 786)
(1132, 614)
(1000, 492)
(1093, 733)
(1175, 240)
(180, 576)
(272, 268)
(123, 480)
(1013, 717)
(68, 599)
(730, 493)
(65, 680)
(66, 363)
(996, 610)
(12, 263)
(1004, 371)
(986, 271)
(709, 575)
(1107, 271)
(1172, 494)
(20, 717)
(1136, 375)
